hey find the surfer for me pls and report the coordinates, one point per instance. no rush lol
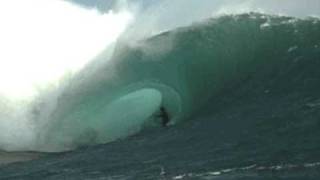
(164, 116)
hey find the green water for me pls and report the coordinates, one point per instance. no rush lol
(243, 91)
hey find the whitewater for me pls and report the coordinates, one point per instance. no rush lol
(82, 85)
(43, 45)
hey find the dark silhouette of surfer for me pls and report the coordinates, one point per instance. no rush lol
(164, 117)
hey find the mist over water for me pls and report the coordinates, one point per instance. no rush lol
(43, 44)
(48, 45)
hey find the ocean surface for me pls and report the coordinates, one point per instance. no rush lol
(242, 91)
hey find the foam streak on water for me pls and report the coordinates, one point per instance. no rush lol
(247, 169)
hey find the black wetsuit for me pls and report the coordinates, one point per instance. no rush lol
(164, 117)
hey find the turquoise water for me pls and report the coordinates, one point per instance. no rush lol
(242, 91)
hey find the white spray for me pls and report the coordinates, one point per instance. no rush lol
(42, 43)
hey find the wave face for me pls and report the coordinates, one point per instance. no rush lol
(248, 86)
(186, 70)
(183, 70)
